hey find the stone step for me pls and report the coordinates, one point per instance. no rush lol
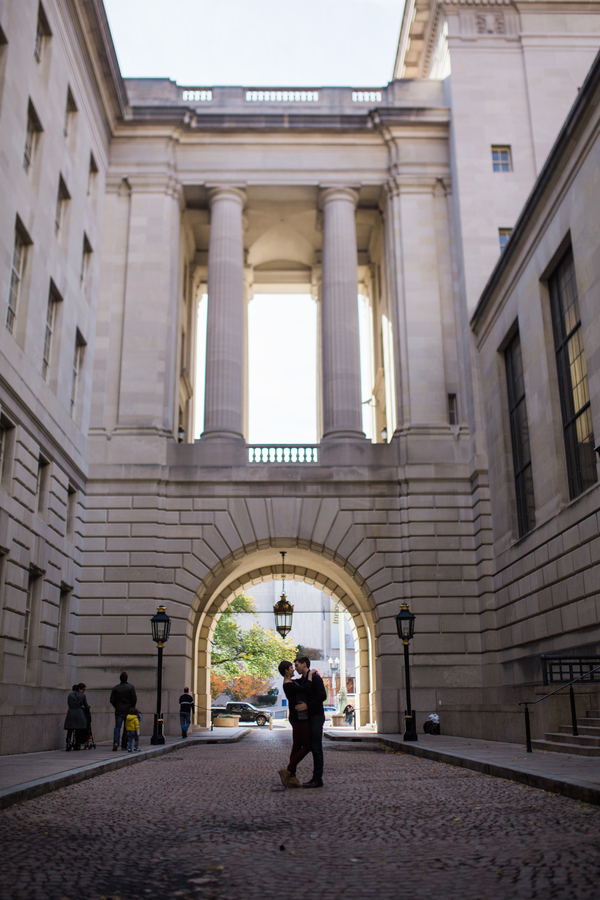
(570, 738)
(583, 726)
(574, 749)
(592, 714)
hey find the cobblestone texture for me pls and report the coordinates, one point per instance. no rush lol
(214, 821)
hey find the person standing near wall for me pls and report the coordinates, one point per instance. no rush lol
(186, 707)
(123, 698)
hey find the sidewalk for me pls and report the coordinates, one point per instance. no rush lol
(577, 777)
(27, 775)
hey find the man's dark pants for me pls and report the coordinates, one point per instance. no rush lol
(316, 736)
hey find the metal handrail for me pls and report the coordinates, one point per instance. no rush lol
(528, 703)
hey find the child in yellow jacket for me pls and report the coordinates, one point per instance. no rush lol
(132, 724)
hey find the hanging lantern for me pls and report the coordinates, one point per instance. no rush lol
(283, 610)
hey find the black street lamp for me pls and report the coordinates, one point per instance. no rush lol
(283, 610)
(405, 623)
(161, 628)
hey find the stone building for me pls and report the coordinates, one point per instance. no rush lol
(124, 203)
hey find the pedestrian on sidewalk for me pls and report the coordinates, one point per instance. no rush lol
(123, 698)
(186, 707)
(298, 718)
(132, 725)
(316, 716)
(75, 720)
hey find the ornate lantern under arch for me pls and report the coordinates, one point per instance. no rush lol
(283, 610)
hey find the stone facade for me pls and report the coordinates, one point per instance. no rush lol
(164, 193)
(546, 573)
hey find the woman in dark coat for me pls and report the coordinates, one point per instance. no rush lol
(76, 718)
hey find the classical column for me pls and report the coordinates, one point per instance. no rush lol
(224, 391)
(339, 316)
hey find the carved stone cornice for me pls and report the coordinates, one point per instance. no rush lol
(422, 22)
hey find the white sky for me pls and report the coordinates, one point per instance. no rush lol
(263, 43)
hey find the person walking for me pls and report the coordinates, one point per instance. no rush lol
(123, 698)
(132, 726)
(298, 719)
(316, 716)
(75, 720)
(186, 707)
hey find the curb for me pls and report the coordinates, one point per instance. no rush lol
(29, 790)
(568, 787)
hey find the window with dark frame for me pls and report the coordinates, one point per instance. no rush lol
(501, 158)
(519, 434)
(16, 275)
(42, 32)
(62, 198)
(34, 128)
(43, 479)
(86, 257)
(76, 372)
(452, 410)
(70, 110)
(54, 299)
(572, 377)
(7, 452)
(93, 171)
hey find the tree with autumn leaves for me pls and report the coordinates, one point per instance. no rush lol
(243, 662)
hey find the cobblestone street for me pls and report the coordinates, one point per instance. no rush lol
(214, 821)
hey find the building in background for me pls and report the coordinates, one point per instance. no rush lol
(124, 203)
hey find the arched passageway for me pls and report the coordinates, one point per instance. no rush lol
(306, 566)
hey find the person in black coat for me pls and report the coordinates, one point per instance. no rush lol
(123, 698)
(76, 720)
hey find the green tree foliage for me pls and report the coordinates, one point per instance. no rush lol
(257, 651)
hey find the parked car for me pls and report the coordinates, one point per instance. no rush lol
(329, 711)
(246, 711)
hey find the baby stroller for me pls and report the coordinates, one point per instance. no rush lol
(82, 738)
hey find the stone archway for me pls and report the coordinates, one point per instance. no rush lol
(306, 566)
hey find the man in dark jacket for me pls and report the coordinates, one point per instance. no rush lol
(316, 718)
(123, 697)
(186, 708)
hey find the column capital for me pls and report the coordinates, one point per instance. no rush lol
(226, 192)
(331, 193)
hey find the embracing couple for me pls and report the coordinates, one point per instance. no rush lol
(305, 696)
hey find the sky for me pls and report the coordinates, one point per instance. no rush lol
(262, 43)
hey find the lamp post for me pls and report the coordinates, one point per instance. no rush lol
(283, 611)
(405, 623)
(161, 627)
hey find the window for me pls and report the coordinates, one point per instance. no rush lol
(501, 159)
(503, 236)
(42, 33)
(53, 299)
(22, 240)
(70, 110)
(519, 434)
(86, 257)
(71, 511)
(33, 129)
(572, 377)
(77, 364)
(452, 409)
(93, 171)
(28, 609)
(43, 479)
(62, 198)
(62, 625)
(7, 452)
